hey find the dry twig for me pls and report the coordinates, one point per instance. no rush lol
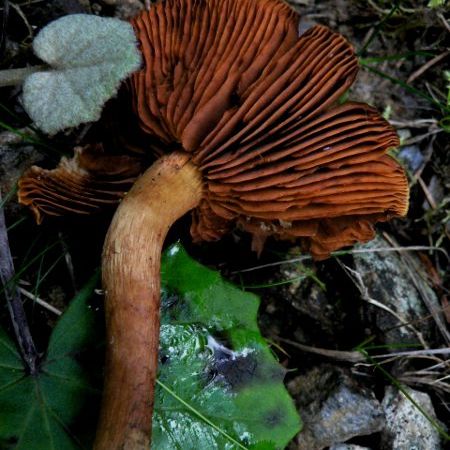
(416, 74)
(23, 335)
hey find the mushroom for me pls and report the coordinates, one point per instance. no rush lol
(242, 114)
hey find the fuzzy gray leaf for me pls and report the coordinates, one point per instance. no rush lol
(90, 56)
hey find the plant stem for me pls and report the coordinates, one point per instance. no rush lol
(12, 77)
(131, 279)
(18, 317)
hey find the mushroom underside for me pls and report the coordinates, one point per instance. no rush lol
(232, 84)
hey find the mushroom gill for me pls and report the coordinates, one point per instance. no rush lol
(246, 112)
(231, 83)
(255, 110)
(84, 184)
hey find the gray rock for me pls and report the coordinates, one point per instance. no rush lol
(412, 157)
(15, 157)
(406, 427)
(334, 408)
(436, 190)
(311, 301)
(14, 160)
(389, 280)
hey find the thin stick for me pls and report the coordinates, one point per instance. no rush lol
(419, 123)
(341, 355)
(39, 301)
(364, 292)
(427, 66)
(357, 356)
(68, 260)
(414, 248)
(24, 18)
(19, 320)
(427, 351)
(377, 28)
(3, 24)
(427, 193)
(415, 274)
(423, 136)
(13, 77)
(444, 21)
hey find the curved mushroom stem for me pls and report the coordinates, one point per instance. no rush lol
(131, 279)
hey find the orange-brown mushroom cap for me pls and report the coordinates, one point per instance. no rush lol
(231, 83)
(84, 184)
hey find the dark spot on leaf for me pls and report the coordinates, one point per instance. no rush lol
(274, 373)
(210, 376)
(169, 300)
(223, 338)
(273, 417)
(164, 359)
(237, 371)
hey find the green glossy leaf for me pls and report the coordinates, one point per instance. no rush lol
(219, 385)
(38, 412)
(89, 57)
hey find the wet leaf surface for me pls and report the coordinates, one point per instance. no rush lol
(214, 358)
